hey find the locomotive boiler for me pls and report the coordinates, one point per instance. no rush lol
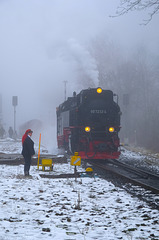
(89, 123)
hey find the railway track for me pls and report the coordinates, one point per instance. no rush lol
(134, 175)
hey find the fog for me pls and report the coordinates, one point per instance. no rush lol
(44, 43)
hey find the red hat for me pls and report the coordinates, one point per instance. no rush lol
(28, 131)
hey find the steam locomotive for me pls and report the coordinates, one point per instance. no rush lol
(89, 123)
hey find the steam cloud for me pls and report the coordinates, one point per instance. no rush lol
(84, 61)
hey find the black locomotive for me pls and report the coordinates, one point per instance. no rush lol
(89, 123)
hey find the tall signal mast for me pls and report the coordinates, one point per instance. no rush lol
(65, 82)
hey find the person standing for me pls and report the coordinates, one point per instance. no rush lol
(27, 150)
(10, 131)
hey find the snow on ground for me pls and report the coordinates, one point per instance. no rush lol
(140, 158)
(11, 146)
(64, 209)
(32, 208)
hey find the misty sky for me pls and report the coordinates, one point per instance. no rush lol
(42, 44)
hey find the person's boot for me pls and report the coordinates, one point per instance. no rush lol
(26, 173)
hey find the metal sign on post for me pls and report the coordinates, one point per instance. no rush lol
(76, 160)
(14, 101)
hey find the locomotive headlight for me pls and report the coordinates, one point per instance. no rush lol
(87, 129)
(111, 129)
(99, 90)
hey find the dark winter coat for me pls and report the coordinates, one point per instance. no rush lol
(28, 147)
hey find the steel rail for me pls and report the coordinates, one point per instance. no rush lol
(137, 176)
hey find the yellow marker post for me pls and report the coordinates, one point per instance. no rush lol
(76, 160)
(39, 149)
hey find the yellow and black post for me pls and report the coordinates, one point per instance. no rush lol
(75, 161)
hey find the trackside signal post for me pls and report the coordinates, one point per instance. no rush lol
(75, 161)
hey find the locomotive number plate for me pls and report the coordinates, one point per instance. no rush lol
(98, 111)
